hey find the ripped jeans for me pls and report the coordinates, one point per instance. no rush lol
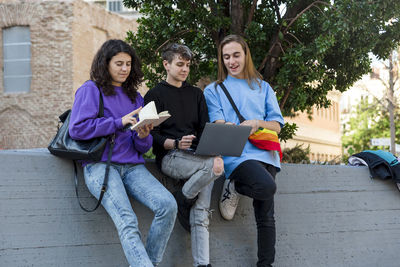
(137, 182)
(181, 165)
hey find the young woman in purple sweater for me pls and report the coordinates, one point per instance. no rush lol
(116, 74)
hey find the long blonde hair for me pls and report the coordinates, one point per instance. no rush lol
(249, 71)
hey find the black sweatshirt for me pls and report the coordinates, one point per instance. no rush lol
(188, 110)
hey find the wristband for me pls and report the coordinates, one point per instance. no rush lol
(176, 143)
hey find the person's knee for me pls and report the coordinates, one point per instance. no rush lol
(218, 167)
(267, 190)
(168, 207)
(200, 217)
(270, 189)
(172, 207)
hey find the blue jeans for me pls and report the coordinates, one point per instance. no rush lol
(179, 164)
(136, 181)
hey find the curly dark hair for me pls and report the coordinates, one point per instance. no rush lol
(99, 71)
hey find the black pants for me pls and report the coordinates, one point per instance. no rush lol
(256, 179)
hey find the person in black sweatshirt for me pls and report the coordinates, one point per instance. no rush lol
(173, 144)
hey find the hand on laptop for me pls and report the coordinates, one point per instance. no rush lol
(252, 123)
(223, 122)
(186, 141)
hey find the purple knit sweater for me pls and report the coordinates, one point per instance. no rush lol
(84, 123)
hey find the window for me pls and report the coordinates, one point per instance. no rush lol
(114, 6)
(17, 59)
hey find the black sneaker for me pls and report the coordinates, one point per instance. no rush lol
(208, 265)
(184, 205)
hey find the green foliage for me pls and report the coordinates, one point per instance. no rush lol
(304, 51)
(296, 154)
(287, 131)
(369, 120)
(149, 154)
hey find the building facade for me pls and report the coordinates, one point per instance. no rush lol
(322, 133)
(372, 87)
(46, 49)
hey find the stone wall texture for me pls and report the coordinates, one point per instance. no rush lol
(326, 216)
(65, 35)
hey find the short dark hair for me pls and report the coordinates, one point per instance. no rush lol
(99, 71)
(173, 49)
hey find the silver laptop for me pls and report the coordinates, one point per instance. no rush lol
(222, 139)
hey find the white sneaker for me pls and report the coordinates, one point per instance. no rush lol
(229, 200)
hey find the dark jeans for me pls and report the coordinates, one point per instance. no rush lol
(256, 179)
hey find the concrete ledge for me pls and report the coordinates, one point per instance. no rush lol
(326, 216)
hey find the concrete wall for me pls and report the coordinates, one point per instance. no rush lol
(326, 216)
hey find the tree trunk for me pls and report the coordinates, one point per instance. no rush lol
(391, 106)
(218, 35)
(237, 25)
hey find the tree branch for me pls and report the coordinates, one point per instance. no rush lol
(280, 45)
(276, 7)
(302, 12)
(251, 13)
(372, 106)
(383, 82)
(276, 40)
(386, 66)
(285, 97)
(267, 56)
(294, 37)
(172, 38)
(377, 99)
(322, 12)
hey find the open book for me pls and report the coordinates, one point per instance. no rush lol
(148, 115)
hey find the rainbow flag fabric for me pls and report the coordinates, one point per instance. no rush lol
(267, 140)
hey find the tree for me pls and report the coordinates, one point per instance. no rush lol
(393, 68)
(303, 48)
(376, 119)
(369, 120)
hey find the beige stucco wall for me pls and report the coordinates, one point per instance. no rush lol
(322, 133)
(64, 37)
(92, 26)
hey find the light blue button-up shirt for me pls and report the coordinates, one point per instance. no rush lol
(258, 103)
